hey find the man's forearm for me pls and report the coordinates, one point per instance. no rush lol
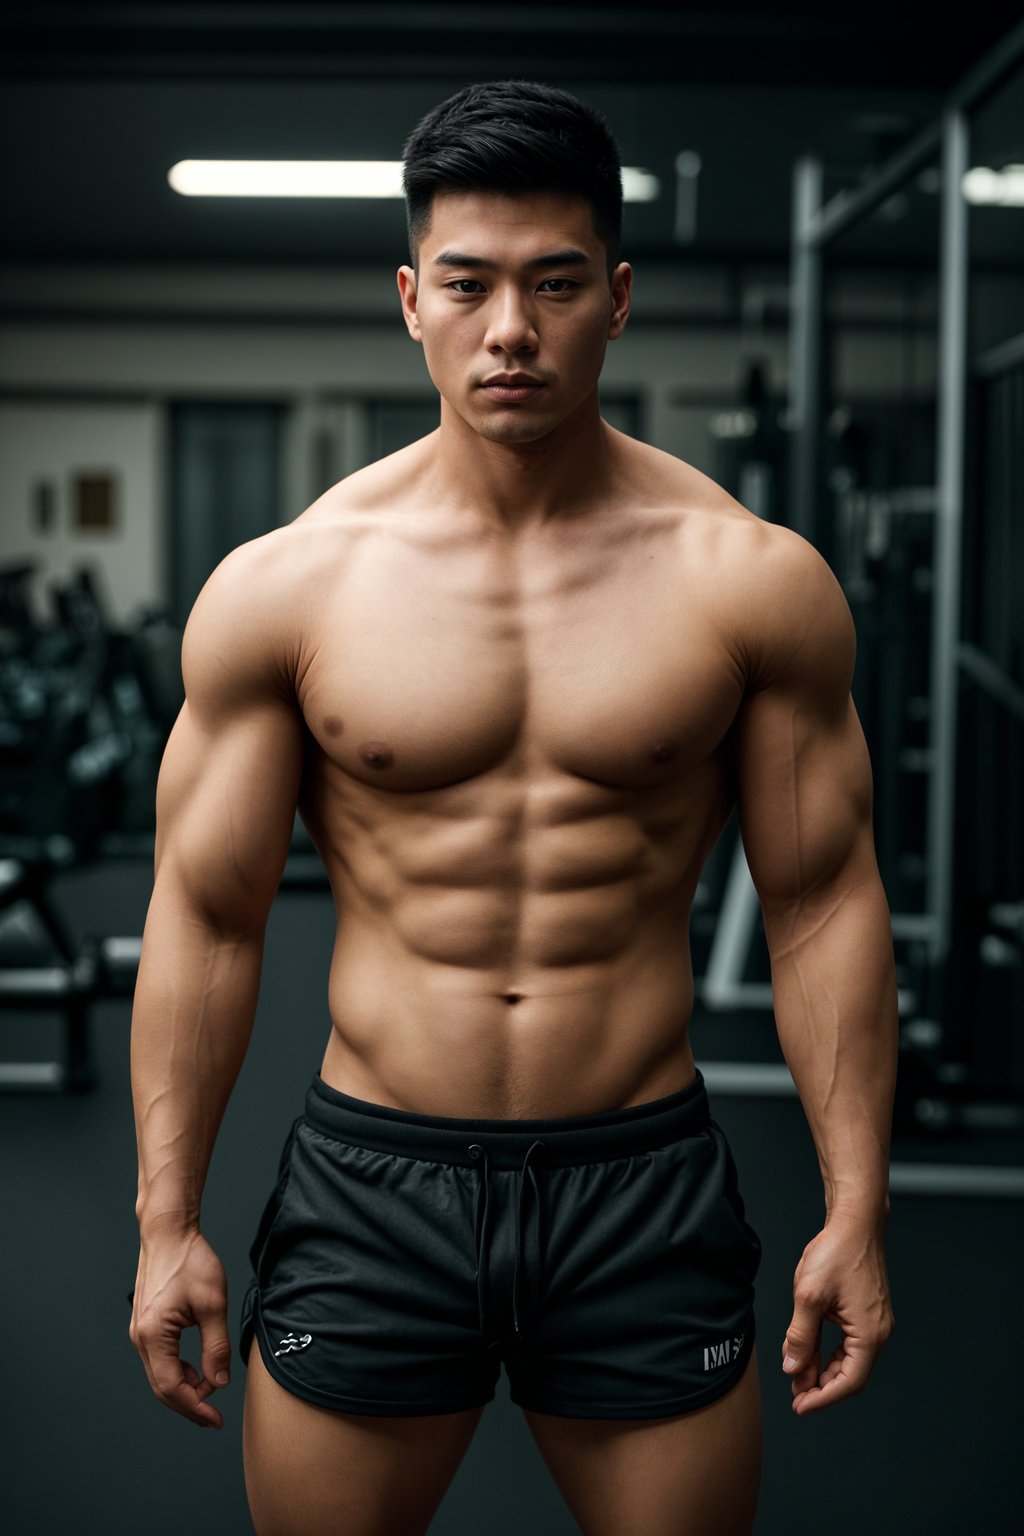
(835, 997)
(192, 1018)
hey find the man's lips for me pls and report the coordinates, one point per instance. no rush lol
(515, 389)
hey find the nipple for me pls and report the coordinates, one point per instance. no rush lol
(377, 753)
(664, 752)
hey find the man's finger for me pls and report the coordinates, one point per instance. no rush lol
(802, 1344)
(806, 1376)
(215, 1361)
(845, 1375)
(188, 1400)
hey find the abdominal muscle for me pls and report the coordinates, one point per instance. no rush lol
(439, 1007)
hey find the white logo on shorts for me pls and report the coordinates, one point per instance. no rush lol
(720, 1354)
(290, 1343)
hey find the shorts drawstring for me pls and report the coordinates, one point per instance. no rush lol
(482, 1204)
(527, 1169)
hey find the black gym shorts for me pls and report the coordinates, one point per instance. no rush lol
(604, 1258)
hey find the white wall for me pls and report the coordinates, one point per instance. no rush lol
(51, 443)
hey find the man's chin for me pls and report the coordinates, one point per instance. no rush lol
(512, 427)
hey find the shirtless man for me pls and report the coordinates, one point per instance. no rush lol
(515, 677)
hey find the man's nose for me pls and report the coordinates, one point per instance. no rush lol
(510, 324)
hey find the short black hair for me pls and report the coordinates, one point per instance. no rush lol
(514, 137)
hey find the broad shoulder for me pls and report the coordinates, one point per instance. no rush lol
(249, 619)
(791, 614)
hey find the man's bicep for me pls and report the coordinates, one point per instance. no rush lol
(231, 771)
(803, 773)
(225, 813)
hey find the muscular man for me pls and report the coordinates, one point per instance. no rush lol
(515, 677)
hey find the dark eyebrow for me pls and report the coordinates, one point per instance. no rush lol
(570, 257)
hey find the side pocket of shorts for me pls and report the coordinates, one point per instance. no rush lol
(258, 1247)
(272, 1209)
(751, 1242)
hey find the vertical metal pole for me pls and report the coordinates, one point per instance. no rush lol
(806, 318)
(952, 385)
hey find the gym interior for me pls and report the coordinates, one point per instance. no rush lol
(825, 216)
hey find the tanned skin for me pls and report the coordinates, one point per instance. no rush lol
(515, 677)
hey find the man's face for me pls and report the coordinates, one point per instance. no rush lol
(513, 288)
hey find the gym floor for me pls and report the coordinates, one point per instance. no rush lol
(931, 1444)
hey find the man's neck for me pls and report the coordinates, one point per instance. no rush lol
(515, 486)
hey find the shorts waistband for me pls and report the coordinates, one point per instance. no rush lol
(567, 1140)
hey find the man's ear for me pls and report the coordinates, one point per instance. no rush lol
(407, 288)
(622, 288)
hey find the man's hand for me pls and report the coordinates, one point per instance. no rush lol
(181, 1283)
(841, 1278)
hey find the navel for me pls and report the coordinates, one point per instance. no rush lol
(513, 997)
(377, 753)
(665, 751)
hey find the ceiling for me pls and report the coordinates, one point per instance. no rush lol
(98, 101)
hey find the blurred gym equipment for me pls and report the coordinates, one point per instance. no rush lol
(85, 712)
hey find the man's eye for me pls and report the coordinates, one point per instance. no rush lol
(566, 282)
(464, 284)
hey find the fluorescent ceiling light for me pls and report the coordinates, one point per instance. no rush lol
(1004, 188)
(639, 186)
(329, 178)
(287, 178)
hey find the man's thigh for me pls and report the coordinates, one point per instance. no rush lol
(312, 1471)
(696, 1474)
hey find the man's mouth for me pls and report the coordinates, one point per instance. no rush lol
(512, 387)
